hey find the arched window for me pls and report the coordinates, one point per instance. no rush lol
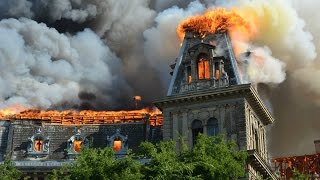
(213, 127)
(203, 67)
(197, 128)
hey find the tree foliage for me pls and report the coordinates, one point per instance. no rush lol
(8, 171)
(299, 176)
(100, 164)
(210, 158)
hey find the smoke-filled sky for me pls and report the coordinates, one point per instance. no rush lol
(98, 54)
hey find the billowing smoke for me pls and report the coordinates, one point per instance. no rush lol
(161, 42)
(98, 54)
(43, 68)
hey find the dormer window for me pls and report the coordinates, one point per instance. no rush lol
(38, 146)
(118, 142)
(203, 67)
(75, 143)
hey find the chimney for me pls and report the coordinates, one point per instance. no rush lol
(317, 146)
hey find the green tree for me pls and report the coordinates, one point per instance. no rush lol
(100, 164)
(8, 171)
(297, 175)
(210, 158)
(165, 162)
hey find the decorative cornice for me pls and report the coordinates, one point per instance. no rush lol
(236, 91)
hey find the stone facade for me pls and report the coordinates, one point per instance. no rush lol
(16, 136)
(59, 135)
(206, 95)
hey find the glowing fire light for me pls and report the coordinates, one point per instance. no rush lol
(137, 98)
(219, 20)
(154, 116)
(11, 110)
(117, 145)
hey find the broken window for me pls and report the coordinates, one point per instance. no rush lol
(203, 67)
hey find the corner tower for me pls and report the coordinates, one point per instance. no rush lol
(206, 96)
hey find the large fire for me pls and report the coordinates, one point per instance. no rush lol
(153, 115)
(238, 23)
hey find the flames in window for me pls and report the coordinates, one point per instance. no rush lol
(203, 69)
(117, 145)
(217, 70)
(38, 145)
(77, 145)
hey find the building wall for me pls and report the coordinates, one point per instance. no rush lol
(59, 135)
(4, 129)
(229, 113)
(254, 125)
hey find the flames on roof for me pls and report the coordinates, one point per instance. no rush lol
(151, 115)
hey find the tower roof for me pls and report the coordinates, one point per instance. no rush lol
(219, 70)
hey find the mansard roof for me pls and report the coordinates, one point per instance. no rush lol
(205, 45)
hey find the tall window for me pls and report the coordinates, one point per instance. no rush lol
(217, 70)
(213, 127)
(256, 138)
(203, 67)
(197, 128)
(189, 74)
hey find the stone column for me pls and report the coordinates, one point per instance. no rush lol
(167, 126)
(185, 127)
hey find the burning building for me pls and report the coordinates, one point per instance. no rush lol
(38, 141)
(206, 95)
(209, 91)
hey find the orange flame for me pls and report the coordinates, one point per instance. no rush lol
(137, 98)
(153, 115)
(11, 110)
(238, 23)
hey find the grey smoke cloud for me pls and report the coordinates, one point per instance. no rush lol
(161, 42)
(42, 68)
